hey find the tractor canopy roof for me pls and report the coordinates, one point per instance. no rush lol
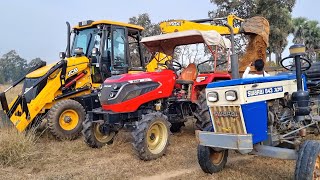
(166, 43)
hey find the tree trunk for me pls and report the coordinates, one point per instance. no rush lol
(278, 58)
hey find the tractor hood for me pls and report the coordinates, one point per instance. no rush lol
(40, 72)
(139, 77)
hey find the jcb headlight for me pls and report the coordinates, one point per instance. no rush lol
(231, 95)
(213, 96)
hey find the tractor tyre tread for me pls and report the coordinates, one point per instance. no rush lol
(202, 113)
(203, 153)
(140, 133)
(306, 160)
(88, 135)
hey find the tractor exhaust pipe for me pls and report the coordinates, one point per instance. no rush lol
(68, 53)
(233, 56)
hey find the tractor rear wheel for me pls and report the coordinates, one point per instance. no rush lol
(65, 119)
(151, 136)
(308, 162)
(94, 136)
(202, 113)
(210, 160)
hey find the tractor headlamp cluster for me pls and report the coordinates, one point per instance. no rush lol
(231, 95)
(212, 96)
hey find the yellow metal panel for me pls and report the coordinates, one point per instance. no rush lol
(40, 72)
(112, 23)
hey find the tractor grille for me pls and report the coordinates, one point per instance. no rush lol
(227, 119)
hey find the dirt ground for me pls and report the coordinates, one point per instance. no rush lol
(74, 160)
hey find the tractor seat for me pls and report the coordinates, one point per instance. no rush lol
(188, 75)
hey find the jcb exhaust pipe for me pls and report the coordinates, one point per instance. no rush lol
(68, 53)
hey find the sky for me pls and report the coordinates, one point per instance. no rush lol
(36, 28)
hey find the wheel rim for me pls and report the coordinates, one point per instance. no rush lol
(216, 157)
(157, 137)
(316, 171)
(68, 119)
(101, 137)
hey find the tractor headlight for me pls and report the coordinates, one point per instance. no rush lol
(231, 95)
(112, 94)
(116, 86)
(213, 96)
(200, 79)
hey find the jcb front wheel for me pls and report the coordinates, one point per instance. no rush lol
(210, 160)
(94, 135)
(65, 119)
(151, 136)
(308, 162)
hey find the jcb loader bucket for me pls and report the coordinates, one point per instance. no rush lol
(5, 111)
(257, 25)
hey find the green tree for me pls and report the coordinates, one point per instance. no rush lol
(307, 32)
(12, 66)
(150, 29)
(144, 20)
(34, 62)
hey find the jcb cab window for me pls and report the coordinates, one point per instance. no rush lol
(119, 45)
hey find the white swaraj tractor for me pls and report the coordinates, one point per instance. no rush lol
(267, 116)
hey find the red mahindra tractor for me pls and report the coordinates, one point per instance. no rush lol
(149, 103)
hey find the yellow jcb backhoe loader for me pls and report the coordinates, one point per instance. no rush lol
(62, 92)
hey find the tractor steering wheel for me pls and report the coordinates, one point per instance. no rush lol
(173, 65)
(305, 64)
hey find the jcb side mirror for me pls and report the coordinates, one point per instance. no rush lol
(62, 55)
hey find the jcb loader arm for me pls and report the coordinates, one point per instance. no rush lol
(255, 25)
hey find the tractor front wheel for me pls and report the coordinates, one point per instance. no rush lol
(65, 119)
(151, 136)
(210, 160)
(94, 135)
(308, 162)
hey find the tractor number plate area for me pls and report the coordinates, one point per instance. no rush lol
(263, 91)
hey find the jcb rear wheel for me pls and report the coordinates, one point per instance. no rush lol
(308, 162)
(93, 136)
(210, 160)
(202, 113)
(151, 137)
(65, 119)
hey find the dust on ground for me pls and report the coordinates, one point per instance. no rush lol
(256, 49)
(74, 160)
